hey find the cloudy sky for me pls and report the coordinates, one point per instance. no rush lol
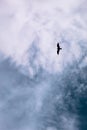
(40, 90)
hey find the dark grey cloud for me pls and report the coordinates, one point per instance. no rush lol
(44, 102)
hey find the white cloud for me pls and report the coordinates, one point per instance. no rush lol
(43, 22)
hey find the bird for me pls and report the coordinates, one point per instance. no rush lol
(58, 48)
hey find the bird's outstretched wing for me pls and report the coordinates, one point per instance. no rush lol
(57, 52)
(58, 48)
(58, 45)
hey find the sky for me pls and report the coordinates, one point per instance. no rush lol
(40, 90)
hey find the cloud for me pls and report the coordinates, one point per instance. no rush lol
(34, 104)
(39, 97)
(45, 23)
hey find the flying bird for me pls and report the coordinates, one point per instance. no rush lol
(58, 48)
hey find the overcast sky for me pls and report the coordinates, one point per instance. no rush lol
(33, 78)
